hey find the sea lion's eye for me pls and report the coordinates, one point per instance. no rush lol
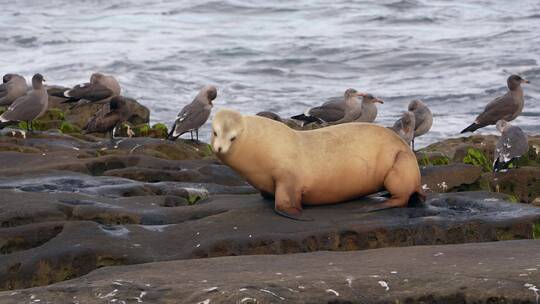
(215, 134)
(233, 138)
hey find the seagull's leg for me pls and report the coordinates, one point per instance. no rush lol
(112, 142)
(197, 134)
(515, 160)
(191, 134)
(29, 126)
(412, 144)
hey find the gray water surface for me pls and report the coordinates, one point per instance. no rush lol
(286, 56)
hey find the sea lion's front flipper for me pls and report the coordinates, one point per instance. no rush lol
(289, 200)
(297, 217)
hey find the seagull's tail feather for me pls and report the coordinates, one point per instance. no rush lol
(473, 127)
(417, 199)
(306, 118)
(171, 136)
(500, 165)
(4, 124)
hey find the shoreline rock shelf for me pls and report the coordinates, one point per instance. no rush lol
(499, 272)
(82, 232)
(70, 205)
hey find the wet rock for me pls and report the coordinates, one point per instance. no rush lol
(457, 148)
(101, 230)
(499, 272)
(522, 183)
(448, 178)
(90, 155)
(79, 115)
(110, 186)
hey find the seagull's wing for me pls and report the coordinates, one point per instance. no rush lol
(3, 90)
(517, 142)
(329, 111)
(89, 91)
(502, 107)
(103, 120)
(23, 108)
(192, 116)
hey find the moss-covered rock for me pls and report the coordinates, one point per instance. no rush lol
(432, 158)
(78, 116)
(458, 149)
(143, 130)
(67, 127)
(160, 130)
(523, 183)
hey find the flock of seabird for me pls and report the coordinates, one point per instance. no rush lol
(27, 104)
(24, 106)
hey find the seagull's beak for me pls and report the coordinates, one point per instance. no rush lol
(377, 100)
(525, 81)
(361, 94)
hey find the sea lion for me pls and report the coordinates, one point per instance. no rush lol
(316, 167)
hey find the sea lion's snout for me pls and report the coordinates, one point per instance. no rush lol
(217, 149)
(218, 146)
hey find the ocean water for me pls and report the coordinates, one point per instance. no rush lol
(286, 56)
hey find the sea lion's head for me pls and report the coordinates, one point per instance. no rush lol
(227, 127)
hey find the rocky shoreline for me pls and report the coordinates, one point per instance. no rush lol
(74, 208)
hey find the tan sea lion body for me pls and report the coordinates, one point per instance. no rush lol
(323, 166)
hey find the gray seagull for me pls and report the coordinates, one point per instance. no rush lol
(423, 118)
(506, 107)
(369, 109)
(195, 114)
(109, 117)
(404, 126)
(100, 88)
(13, 87)
(512, 144)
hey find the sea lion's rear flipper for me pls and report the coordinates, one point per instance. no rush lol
(379, 207)
(417, 199)
(296, 217)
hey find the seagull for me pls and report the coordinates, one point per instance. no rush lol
(506, 107)
(423, 118)
(100, 88)
(512, 144)
(109, 117)
(13, 87)
(404, 126)
(195, 114)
